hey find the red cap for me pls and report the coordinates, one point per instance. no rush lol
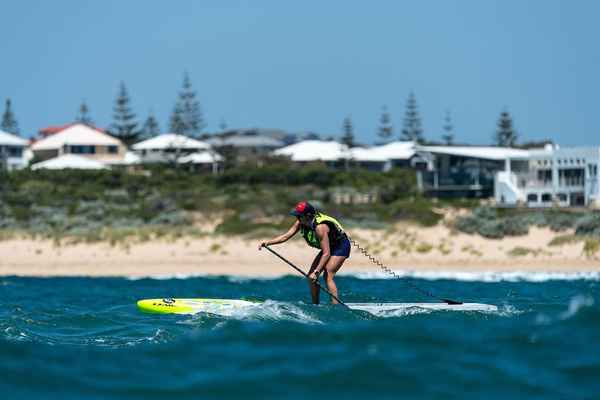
(303, 208)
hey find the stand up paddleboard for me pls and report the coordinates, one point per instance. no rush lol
(227, 306)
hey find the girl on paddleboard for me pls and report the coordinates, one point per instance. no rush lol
(322, 232)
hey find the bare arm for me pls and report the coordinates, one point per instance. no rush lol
(282, 238)
(323, 235)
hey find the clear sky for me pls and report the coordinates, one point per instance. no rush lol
(305, 65)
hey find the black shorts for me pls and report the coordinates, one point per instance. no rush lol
(341, 248)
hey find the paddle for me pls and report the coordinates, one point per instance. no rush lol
(305, 274)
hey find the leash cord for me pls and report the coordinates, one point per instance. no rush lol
(389, 271)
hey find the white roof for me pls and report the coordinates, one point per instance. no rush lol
(203, 157)
(8, 139)
(69, 161)
(76, 135)
(483, 152)
(170, 141)
(313, 150)
(246, 141)
(390, 151)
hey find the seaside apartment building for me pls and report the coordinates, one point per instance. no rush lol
(541, 177)
(550, 177)
(12, 151)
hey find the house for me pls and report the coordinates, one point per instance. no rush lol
(463, 171)
(70, 161)
(550, 177)
(12, 151)
(244, 145)
(81, 140)
(329, 152)
(335, 154)
(181, 149)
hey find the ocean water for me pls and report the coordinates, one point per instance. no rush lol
(83, 338)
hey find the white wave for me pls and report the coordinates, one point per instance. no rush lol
(575, 304)
(230, 278)
(268, 311)
(465, 276)
(483, 276)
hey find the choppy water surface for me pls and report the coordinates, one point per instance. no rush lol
(77, 338)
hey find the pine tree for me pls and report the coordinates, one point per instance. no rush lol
(176, 123)
(448, 136)
(189, 120)
(412, 129)
(84, 115)
(348, 132)
(150, 128)
(505, 135)
(9, 121)
(124, 126)
(385, 130)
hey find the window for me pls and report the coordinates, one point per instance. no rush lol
(532, 198)
(113, 149)
(15, 151)
(83, 149)
(562, 197)
(546, 198)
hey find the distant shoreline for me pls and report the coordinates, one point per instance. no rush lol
(409, 248)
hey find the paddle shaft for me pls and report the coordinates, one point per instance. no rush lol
(305, 274)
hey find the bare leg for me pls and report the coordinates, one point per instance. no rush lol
(331, 268)
(314, 289)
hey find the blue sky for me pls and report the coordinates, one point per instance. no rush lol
(306, 65)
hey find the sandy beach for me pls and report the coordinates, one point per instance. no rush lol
(406, 248)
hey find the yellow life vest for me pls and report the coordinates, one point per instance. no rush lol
(336, 232)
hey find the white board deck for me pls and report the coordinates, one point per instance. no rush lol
(227, 306)
(387, 307)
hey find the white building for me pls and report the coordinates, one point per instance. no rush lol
(551, 177)
(81, 140)
(170, 147)
(70, 161)
(12, 151)
(379, 158)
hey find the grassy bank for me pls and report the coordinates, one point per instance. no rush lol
(71, 206)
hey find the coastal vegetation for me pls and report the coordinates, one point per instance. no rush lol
(573, 226)
(112, 205)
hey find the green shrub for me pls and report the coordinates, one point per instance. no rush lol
(564, 239)
(589, 224)
(515, 226)
(492, 229)
(591, 247)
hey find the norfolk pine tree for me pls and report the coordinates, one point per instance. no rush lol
(124, 126)
(505, 135)
(348, 132)
(448, 136)
(412, 128)
(385, 130)
(150, 128)
(187, 118)
(84, 115)
(9, 121)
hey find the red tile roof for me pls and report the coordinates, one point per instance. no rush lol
(53, 129)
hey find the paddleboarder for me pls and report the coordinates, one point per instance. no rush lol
(324, 233)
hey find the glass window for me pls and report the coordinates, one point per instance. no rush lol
(15, 151)
(113, 149)
(83, 149)
(546, 198)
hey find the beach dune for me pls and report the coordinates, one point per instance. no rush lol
(406, 247)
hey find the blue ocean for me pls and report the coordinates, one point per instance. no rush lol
(83, 338)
